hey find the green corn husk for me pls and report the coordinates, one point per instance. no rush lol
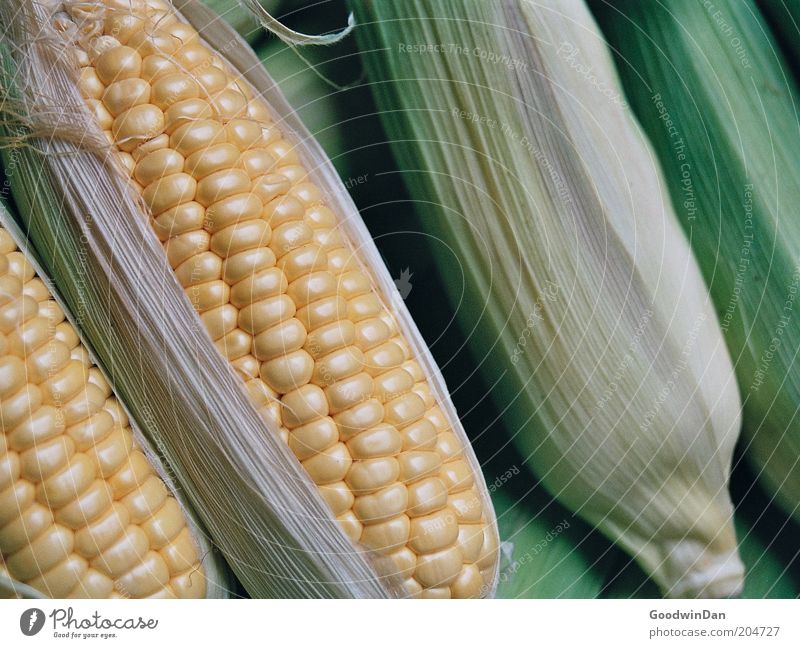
(576, 286)
(783, 16)
(731, 155)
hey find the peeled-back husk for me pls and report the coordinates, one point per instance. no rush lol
(259, 506)
(578, 282)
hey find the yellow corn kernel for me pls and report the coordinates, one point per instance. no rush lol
(279, 288)
(82, 513)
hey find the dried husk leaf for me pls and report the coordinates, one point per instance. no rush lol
(240, 18)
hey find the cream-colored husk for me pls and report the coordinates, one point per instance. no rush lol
(554, 205)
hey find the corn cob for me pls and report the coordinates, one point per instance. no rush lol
(724, 125)
(573, 564)
(282, 294)
(82, 511)
(580, 289)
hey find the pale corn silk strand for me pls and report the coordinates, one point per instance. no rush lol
(435, 562)
(290, 36)
(627, 410)
(110, 524)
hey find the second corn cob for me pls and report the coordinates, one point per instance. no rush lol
(82, 511)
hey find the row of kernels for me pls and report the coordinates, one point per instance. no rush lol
(316, 443)
(454, 475)
(286, 366)
(380, 500)
(336, 340)
(474, 535)
(395, 384)
(436, 527)
(161, 172)
(34, 519)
